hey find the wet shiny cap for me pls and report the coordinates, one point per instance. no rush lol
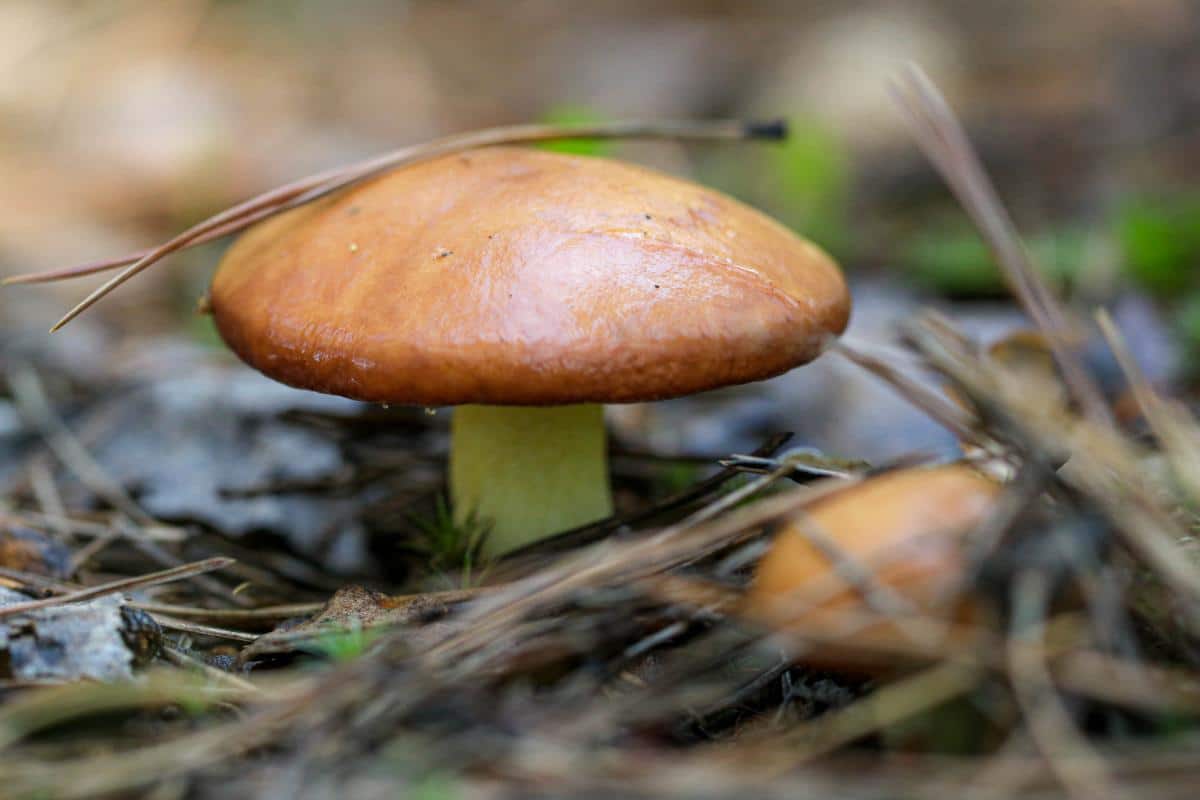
(509, 276)
(905, 528)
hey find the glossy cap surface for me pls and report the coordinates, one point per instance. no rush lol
(523, 277)
(906, 528)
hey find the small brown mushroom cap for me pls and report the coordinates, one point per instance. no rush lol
(523, 277)
(905, 529)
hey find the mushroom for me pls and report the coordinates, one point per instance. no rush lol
(904, 530)
(527, 288)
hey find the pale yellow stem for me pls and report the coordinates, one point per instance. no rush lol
(528, 472)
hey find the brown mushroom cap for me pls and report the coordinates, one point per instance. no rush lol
(515, 276)
(906, 528)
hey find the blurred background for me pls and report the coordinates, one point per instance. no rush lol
(123, 121)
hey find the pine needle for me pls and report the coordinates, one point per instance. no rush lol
(307, 189)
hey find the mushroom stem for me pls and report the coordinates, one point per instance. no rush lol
(528, 472)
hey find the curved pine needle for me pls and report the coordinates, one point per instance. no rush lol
(315, 186)
(941, 137)
(109, 264)
(78, 271)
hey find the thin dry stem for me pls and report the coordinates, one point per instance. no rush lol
(123, 585)
(942, 138)
(316, 186)
(1077, 765)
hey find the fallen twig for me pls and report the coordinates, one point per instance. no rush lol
(123, 585)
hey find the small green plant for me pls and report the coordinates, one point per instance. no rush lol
(953, 260)
(452, 544)
(436, 786)
(1159, 241)
(675, 477)
(575, 115)
(811, 177)
(346, 644)
(193, 705)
